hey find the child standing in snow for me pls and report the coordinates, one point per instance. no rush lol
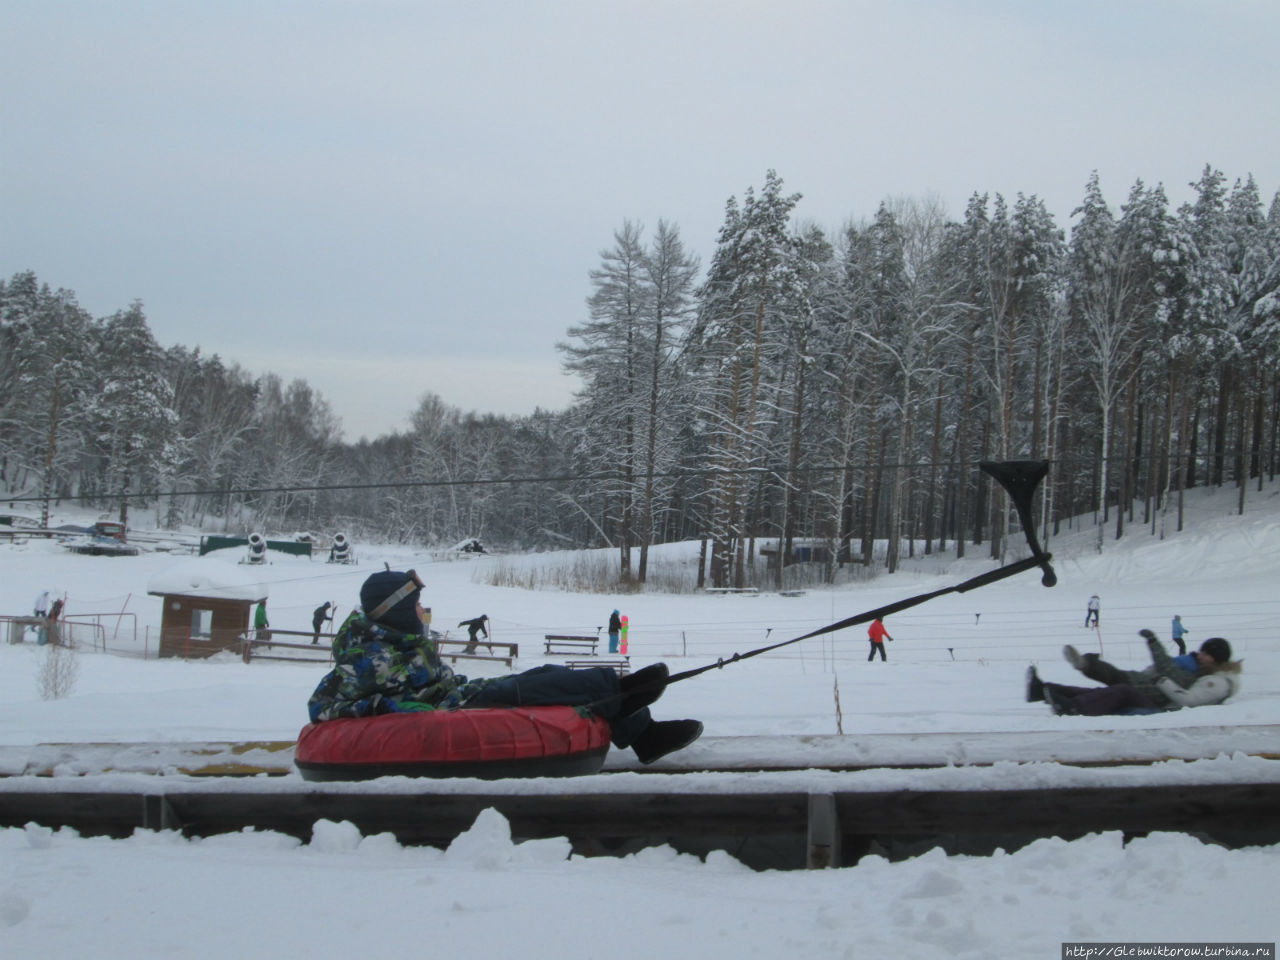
(1091, 611)
(615, 628)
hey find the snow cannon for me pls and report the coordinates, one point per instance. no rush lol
(340, 551)
(257, 548)
(1020, 479)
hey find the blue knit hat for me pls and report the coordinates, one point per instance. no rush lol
(391, 599)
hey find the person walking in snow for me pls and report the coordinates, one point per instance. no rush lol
(1091, 611)
(877, 634)
(386, 662)
(1179, 631)
(615, 631)
(318, 618)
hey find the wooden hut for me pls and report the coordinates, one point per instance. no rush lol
(802, 551)
(208, 607)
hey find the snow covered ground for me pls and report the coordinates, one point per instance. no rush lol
(956, 666)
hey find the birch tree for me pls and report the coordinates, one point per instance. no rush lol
(669, 272)
(1113, 297)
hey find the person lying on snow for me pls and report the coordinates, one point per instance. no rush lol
(386, 662)
(1208, 676)
(1183, 669)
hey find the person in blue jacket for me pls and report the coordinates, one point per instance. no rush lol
(1179, 631)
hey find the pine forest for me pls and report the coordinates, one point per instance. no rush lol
(829, 393)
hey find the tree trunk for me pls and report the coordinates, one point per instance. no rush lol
(1225, 384)
(793, 459)
(1103, 470)
(932, 520)
(960, 533)
(1256, 453)
(901, 478)
(1274, 454)
(51, 448)
(1124, 491)
(871, 463)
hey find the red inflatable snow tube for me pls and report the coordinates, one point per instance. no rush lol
(487, 742)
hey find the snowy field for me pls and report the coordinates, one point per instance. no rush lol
(956, 666)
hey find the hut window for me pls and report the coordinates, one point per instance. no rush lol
(202, 624)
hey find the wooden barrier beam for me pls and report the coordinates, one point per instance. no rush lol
(817, 826)
(880, 751)
(246, 758)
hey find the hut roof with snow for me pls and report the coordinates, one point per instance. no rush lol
(208, 578)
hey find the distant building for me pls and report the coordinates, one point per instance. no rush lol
(802, 551)
(208, 607)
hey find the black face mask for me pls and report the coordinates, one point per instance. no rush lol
(403, 618)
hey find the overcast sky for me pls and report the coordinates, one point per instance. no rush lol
(390, 197)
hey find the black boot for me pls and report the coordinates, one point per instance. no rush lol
(1035, 686)
(1059, 703)
(641, 688)
(663, 737)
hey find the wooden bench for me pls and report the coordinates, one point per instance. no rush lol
(250, 647)
(512, 650)
(561, 643)
(731, 590)
(621, 664)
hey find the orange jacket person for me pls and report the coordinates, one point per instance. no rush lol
(876, 633)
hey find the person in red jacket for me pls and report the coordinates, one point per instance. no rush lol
(877, 634)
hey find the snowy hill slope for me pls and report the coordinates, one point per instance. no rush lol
(955, 671)
(956, 664)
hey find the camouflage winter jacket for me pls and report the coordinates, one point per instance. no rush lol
(380, 670)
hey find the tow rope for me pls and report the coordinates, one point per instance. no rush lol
(1019, 478)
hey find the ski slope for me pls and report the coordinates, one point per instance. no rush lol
(955, 670)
